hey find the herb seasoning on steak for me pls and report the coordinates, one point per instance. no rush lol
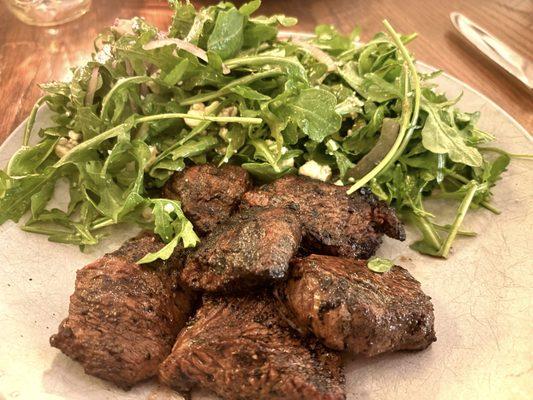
(250, 249)
(208, 194)
(123, 317)
(349, 307)
(334, 223)
(240, 348)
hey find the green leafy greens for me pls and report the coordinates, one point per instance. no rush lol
(221, 87)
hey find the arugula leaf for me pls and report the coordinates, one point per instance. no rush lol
(27, 160)
(87, 123)
(256, 33)
(5, 183)
(121, 85)
(79, 84)
(162, 211)
(343, 163)
(314, 112)
(439, 137)
(424, 247)
(245, 80)
(497, 168)
(40, 199)
(329, 38)
(227, 36)
(183, 18)
(31, 121)
(249, 8)
(236, 138)
(173, 160)
(263, 152)
(249, 93)
(292, 67)
(16, 200)
(350, 106)
(215, 61)
(176, 74)
(276, 19)
(172, 226)
(264, 172)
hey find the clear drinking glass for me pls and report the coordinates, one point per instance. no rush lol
(48, 12)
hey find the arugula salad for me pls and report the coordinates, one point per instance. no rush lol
(222, 86)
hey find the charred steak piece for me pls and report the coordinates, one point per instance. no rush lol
(208, 194)
(241, 349)
(251, 248)
(349, 307)
(123, 318)
(334, 223)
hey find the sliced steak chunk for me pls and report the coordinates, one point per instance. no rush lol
(123, 318)
(208, 194)
(334, 223)
(241, 349)
(349, 307)
(251, 248)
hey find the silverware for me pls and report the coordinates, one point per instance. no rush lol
(494, 49)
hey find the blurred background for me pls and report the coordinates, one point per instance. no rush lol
(30, 55)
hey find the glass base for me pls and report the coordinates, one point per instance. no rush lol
(48, 12)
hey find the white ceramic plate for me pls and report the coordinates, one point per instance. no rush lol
(482, 297)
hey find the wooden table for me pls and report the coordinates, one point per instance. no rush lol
(31, 55)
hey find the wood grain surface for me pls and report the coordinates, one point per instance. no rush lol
(32, 55)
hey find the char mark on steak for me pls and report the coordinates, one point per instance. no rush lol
(250, 249)
(349, 307)
(240, 348)
(208, 194)
(123, 317)
(334, 223)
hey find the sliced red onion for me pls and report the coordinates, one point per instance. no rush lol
(123, 26)
(130, 72)
(316, 53)
(129, 68)
(180, 44)
(91, 87)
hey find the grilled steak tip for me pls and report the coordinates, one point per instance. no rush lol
(351, 308)
(240, 348)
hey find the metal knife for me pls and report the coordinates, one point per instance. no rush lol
(493, 48)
